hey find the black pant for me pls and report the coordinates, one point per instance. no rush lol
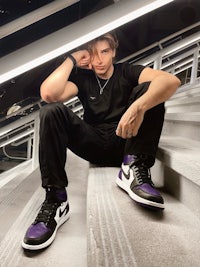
(60, 128)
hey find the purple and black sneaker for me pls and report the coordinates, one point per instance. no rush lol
(53, 213)
(135, 178)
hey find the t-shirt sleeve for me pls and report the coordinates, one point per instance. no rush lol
(78, 76)
(81, 78)
(132, 72)
(74, 76)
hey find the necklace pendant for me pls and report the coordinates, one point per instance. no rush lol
(101, 88)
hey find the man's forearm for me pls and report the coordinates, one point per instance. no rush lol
(160, 89)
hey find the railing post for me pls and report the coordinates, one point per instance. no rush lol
(157, 63)
(29, 148)
(194, 66)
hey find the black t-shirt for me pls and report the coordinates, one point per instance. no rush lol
(112, 103)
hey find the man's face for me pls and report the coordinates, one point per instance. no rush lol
(102, 58)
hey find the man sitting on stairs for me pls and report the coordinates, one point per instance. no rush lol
(123, 117)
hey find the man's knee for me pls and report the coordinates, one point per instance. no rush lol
(138, 91)
(51, 109)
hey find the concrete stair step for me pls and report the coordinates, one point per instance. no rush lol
(182, 125)
(183, 117)
(21, 204)
(177, 169)
(184, 100)
(186, 91)
(185, 104)
(121, 233)
(106, 227)
(182, 155)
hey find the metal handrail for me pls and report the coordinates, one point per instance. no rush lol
(160, 45)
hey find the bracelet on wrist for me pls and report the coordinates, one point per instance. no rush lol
(72, 59)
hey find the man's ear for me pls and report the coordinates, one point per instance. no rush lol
(114, 53)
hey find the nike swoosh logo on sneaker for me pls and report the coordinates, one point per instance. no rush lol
(127, 175)
(61, 212)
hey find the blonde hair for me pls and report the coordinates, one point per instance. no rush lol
(109, 37)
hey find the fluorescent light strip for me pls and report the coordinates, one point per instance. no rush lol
(83, 39)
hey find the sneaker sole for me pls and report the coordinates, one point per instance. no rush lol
(147, 203)
(50, 240)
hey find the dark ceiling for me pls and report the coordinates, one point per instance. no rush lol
(133, 36)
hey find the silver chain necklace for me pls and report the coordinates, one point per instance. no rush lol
(100, 86)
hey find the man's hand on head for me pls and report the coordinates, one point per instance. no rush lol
(82, 59)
